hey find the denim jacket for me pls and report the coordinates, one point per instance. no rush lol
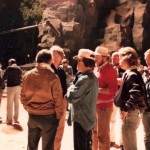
(83, 95)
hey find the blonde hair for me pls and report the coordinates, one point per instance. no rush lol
(56, 48)
(147, 53)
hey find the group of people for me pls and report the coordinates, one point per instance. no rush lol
(103, 85)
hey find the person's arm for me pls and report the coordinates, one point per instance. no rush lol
(5, 76)
(57, 95)
(77, 91)
(136, 93)
(23, 98)
(119, 80)
(104, 90)
(111, 81)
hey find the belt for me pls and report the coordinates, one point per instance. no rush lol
(104, 101)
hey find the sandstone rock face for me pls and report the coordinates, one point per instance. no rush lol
(88, 23)
(124, 26)
(74, 20)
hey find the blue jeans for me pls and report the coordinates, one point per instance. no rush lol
(44, 126)
(146, 124)
(129, 127)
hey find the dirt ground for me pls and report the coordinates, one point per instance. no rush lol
(15, 137)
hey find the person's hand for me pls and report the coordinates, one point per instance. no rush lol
(123, 115)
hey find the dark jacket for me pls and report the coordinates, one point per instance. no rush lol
(62, 76)
(132, 93)
(13, 75)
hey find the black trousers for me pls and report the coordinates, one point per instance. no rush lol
(82, 139)
(44, 126)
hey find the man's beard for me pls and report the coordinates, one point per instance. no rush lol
(101, 63)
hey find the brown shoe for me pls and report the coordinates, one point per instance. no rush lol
(113, 144)
(116, 146)
(9, 123)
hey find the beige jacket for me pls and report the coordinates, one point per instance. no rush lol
(41, 92)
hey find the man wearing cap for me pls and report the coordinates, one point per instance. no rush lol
(13, 76)
(83, 95)
(107, 77)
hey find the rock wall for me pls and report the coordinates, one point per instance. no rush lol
(88, 23)
(74, 20)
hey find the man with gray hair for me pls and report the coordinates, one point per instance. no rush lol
(13, 76)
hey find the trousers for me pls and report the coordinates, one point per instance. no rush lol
(129, 127)
(44, 126)
(101, 131)
(13, 94)
(146, 124)
(82, 138)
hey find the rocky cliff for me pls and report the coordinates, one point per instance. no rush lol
(88, 23)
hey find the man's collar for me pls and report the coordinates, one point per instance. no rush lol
(103, 65)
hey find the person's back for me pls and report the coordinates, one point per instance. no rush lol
(39, 94)
(13, 76)
(42, 98)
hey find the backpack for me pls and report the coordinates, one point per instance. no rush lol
(2, 84)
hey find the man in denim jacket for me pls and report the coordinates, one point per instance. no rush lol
(83, 95)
